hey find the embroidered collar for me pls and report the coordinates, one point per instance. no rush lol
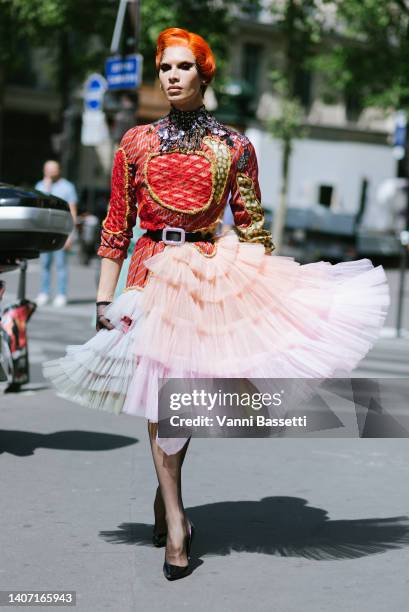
(187, 118)
(184, 130)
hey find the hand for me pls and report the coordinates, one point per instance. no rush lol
(102, 321)
(68, 244)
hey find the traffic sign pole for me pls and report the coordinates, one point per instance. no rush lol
(94, 129)
(123, 69)
(400, 152)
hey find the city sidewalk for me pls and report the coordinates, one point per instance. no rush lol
(287, 525)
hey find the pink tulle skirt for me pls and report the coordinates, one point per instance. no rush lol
(239, 313)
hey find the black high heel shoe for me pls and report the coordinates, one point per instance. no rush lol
(174, 572)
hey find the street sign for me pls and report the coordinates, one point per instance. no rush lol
(399, 137)
(94, 89)
(124, 72)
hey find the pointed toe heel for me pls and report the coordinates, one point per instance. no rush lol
(174, 572)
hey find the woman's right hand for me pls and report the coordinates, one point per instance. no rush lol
(102, 321)
(108, 278)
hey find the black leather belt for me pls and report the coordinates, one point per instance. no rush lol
(177, 235)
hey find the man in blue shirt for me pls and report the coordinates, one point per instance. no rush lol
(53, 183)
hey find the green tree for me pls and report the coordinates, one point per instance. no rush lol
(78, 34)
(366, 57)
(65, 28)
(362, 58)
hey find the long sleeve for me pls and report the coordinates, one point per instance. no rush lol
(245, 198)
(117, 226)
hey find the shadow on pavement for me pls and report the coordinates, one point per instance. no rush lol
(281, 526)
(22, 443)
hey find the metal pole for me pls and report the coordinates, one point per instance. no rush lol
(67, 140)
(119, 23)
(402, 274)
(21, 292)
(404, 241)
(135, 12)
(401, 152)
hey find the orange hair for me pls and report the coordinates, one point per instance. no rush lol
(172, 37)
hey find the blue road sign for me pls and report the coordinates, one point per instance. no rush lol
(94, 89)
(399, 136)
(124, 72)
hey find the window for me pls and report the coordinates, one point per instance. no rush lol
(302, 87)
(353, 105)
(325, 195)
(252, 54)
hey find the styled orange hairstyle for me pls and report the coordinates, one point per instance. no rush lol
(172, 37)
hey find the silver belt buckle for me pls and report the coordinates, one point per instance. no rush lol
(180, 230)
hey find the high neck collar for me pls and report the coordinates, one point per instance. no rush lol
(184, 130)
(186, 116)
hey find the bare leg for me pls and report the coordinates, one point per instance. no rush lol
(168, 470)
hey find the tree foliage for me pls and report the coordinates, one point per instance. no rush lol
(366, 55)
(360, 51)
(78, 34)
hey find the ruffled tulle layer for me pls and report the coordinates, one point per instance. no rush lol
(239, 313)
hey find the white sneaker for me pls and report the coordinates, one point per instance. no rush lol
(59, 300)
(42, 299)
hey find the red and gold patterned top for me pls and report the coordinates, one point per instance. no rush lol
(179, 172)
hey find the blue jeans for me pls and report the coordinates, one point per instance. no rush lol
(46, 260)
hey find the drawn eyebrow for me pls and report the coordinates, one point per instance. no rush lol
(179, 63)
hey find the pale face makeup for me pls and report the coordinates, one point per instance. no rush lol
(180, 79)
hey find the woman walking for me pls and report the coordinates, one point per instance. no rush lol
(197, 305)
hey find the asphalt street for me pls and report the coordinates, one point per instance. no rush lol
(286, 525)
